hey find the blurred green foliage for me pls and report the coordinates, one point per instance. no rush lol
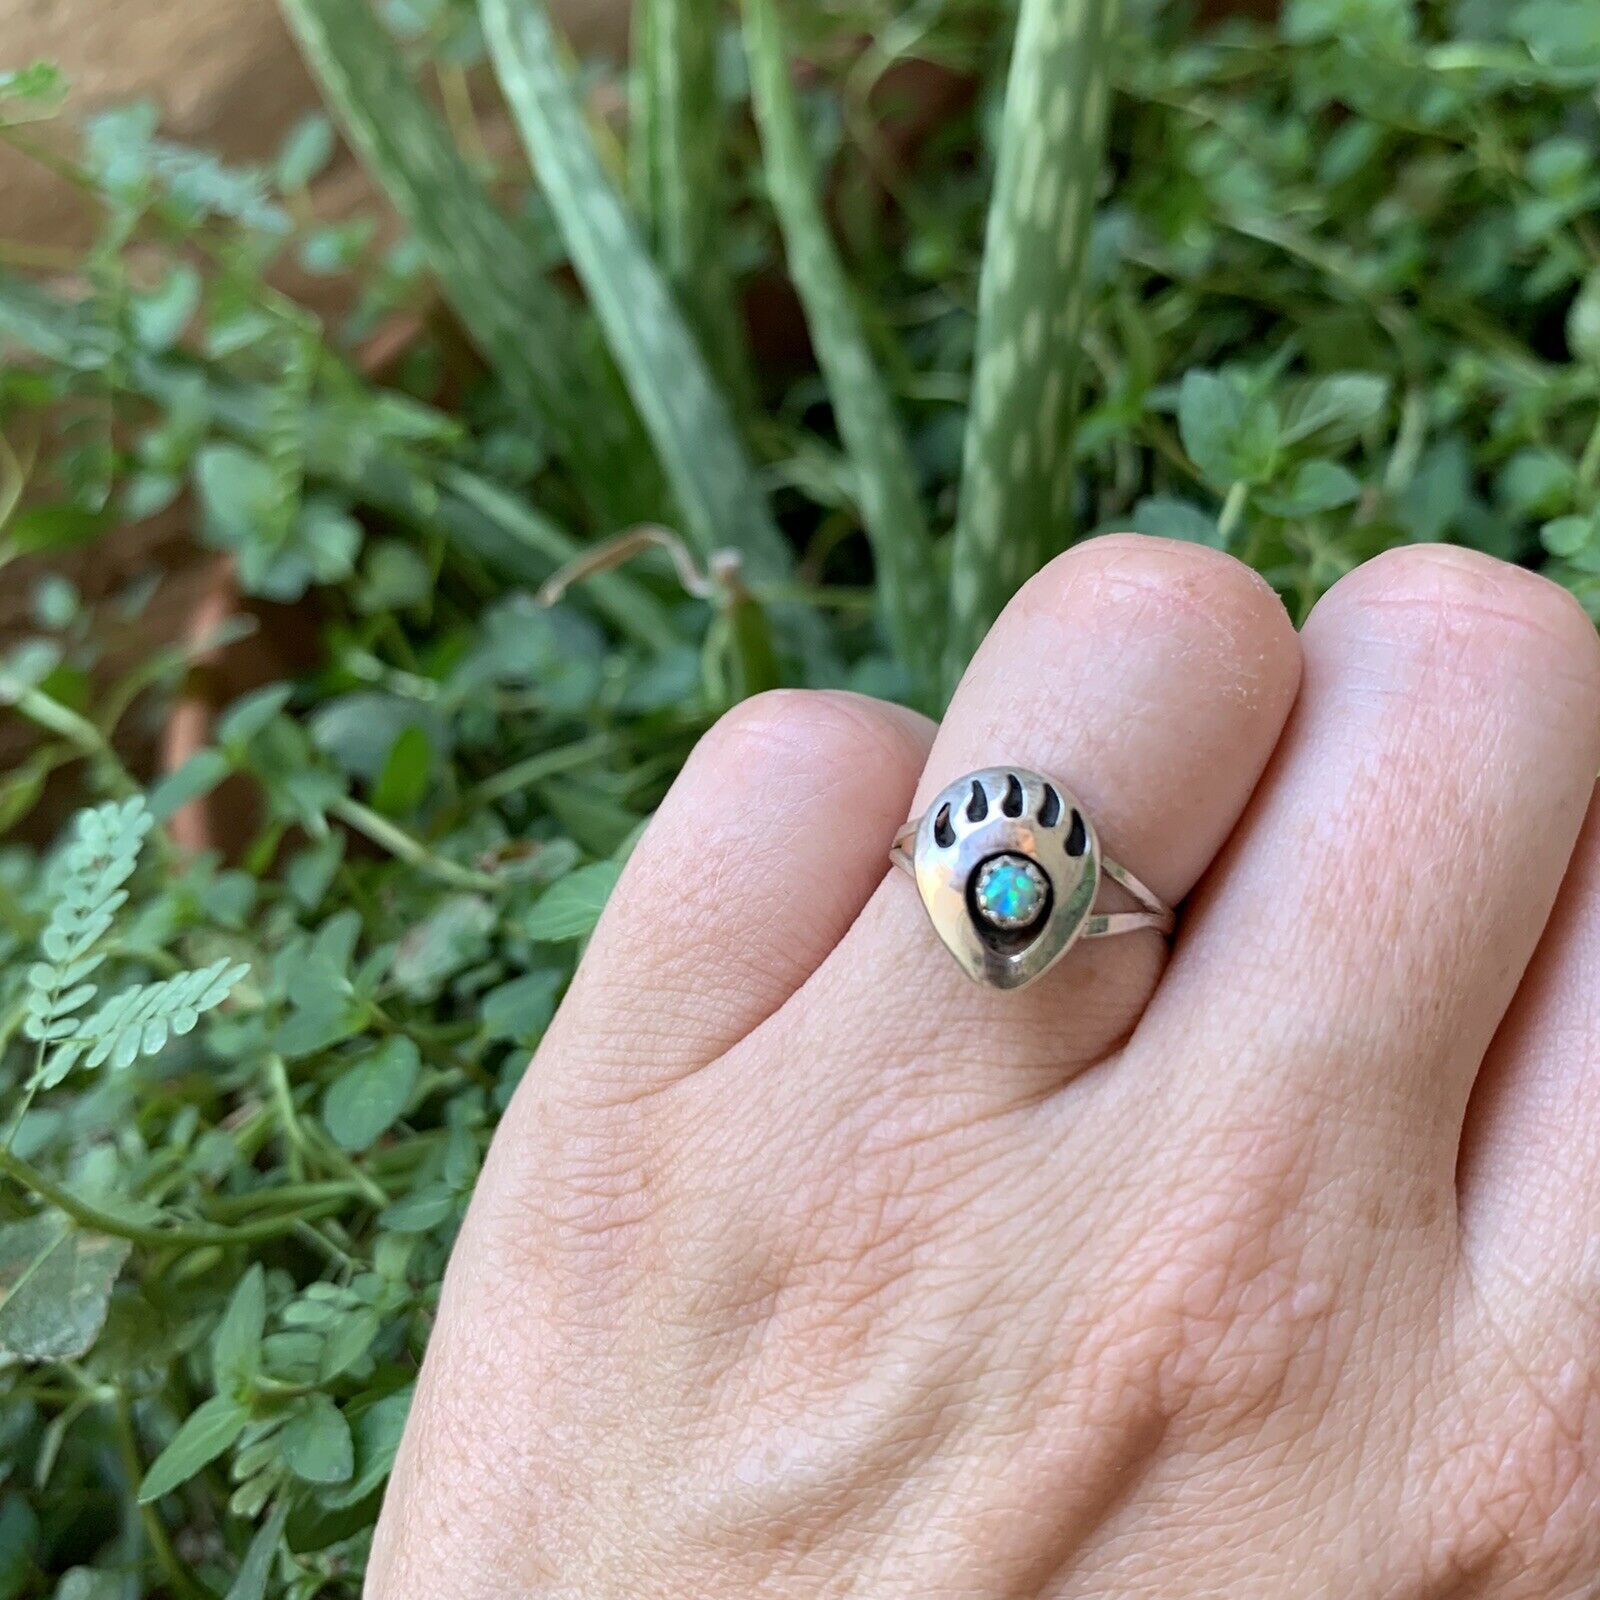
(1339, 289)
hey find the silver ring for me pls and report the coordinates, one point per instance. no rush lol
(1008, 866)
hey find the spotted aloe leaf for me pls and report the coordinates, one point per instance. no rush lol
(891, 506)
(487, 268)
(1017, 475)
(677, 148)
(687, 415)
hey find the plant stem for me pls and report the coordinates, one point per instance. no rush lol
(1232, 511)
(155, 1530)
(185, 1235)
(412, 851)
(284, 1194)
(81, 734)
(534, 769)
(314, 1150)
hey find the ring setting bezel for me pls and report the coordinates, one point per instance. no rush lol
(1009, 866)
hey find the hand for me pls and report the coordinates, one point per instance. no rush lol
(804, 1267)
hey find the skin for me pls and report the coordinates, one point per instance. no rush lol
(1266, 1265)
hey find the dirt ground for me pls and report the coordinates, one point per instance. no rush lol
(224, 72)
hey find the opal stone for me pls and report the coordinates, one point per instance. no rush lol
(1011, 892)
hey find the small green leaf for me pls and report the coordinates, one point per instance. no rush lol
(19, 1540)
(160, 317)
(1168, 518)
(1369, 23)
(1316, 486)
(1583, 321)
(366, 1100)
(89, 1583)
(359, 731)
(377, 1441)
(570, 908)
(451, 937)
(1565, 33)
(305, 152)
(1334, 409)
(394, 578)
(316, 1442)
(203, 1437)
(26, 667)
(348, 1342)
(56, 1281)
(236, 1343)
(248, 716)
(406, 773)
(41, 81)
(1574, 539)
(521, 1010)
(237, 492)
(1232, 434)
(198, 776)
(250, 1582)
(1537, 483)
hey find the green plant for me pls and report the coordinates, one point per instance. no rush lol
(1302, 291)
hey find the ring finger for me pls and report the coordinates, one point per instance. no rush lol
(1151, 680)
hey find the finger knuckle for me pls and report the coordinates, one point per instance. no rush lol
(1236, 1309)
(805, 730)
(1209, 599)
(574, 1211)
(1515, 1495)
(1459, 601)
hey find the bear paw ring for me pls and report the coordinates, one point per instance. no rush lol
(1009, 867)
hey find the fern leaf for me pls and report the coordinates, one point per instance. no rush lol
(140, 1020)
(86, 890)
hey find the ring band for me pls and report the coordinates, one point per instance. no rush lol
(1008, 865)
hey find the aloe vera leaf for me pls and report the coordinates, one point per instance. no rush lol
(885, 474)
(1017, 472)
(488, 270)
(677, 141)
(686, 414)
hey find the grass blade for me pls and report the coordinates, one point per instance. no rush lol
(886, 478)
(525, 328)
(1017, 476)
(676, 141)
(722, 503)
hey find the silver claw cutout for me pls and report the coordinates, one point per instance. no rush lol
(1008, 865)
